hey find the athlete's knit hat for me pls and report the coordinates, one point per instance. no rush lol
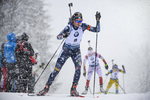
(77, 15)
(115, 66)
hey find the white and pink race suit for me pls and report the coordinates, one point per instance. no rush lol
(91, 61)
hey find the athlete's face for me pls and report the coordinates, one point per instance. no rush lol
(115, 69)
(90, 52)
(78, 22)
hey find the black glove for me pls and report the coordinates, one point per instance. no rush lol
(65, 35)
(98, 16)
(106, 74)
(69, 21)
(84, 74)
(106, 67)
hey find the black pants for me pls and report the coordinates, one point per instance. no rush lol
(12, 76)
(26, 78)
(75, 55)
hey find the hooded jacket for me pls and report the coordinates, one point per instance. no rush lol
(9, 48)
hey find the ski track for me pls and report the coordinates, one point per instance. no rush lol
(24, 96)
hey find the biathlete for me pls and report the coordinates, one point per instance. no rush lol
(114, 77)
(90, 57)
(72, 34)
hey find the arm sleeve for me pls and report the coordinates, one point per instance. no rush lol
(91, 28)
(65, 30)
(109, 72)
(99, 56)
(30, 51)
(122, 71)
(84, 62)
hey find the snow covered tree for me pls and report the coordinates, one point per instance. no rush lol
(27, 16)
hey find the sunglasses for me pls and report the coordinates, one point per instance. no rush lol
(78, 21)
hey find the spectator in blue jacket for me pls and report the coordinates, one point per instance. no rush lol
(9, 54)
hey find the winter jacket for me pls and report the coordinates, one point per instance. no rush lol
(9, 48)
(24, 51)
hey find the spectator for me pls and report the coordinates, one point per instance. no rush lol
(24, 53)
(9, 54)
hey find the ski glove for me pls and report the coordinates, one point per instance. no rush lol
(98, 16)
(69, 21)
(106, 66)
(84, 73)
(106, 74)
(123, 69)
(65, 35)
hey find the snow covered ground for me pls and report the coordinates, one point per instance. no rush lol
(23, 96)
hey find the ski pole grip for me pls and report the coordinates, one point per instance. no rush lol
(70, 4)
(123, 67)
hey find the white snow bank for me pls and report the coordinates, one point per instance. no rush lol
(23, 96)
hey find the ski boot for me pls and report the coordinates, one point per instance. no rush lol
(31, 91)
(117, 92)
(106, 92)
(44, 91)
(30, 85)
(73, 91)
(101, 89)
(85, 91)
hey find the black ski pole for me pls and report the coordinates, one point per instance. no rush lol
(123, 77)
(95, 64)
(70, 5)
(112, 62)
(48, 63)
(89, 43)
(95, 59)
